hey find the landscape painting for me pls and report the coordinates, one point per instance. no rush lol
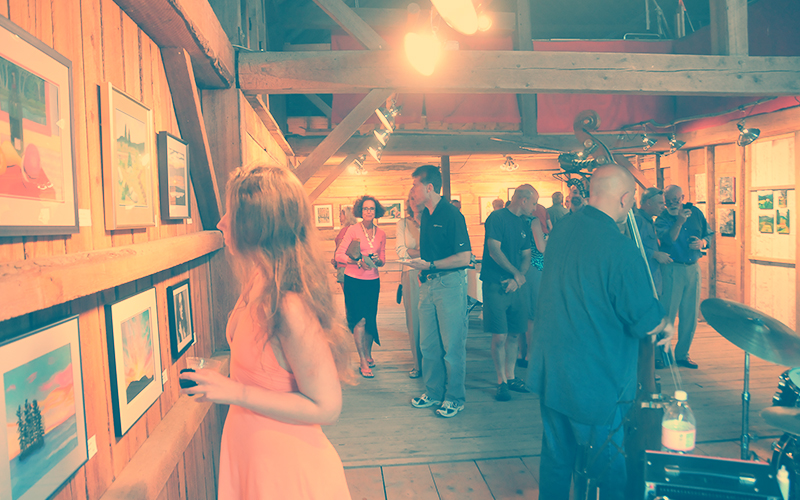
(727, 190)
(766, 224)
(135, 357)
(394, 211)
(781, 198)
(42, 399)
(727, 221)
(765, 200)
(782, 225)
(173, 164)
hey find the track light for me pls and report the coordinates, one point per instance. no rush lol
(746, 135)
(387, 116)
(648, 142)
(375, 152)
(382, 136)
(509, 165)
(674, 145)
(357, 167)
(459, 14)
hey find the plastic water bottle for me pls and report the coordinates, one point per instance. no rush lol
(678, 426)
(783, 482)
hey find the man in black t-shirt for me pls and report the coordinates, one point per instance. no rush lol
(445, 252)
(506, 259)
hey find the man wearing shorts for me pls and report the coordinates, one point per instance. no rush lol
(506, 258)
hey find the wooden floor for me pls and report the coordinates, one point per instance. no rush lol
(491, 450)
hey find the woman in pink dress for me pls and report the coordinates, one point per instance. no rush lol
(288, 349)
(362, 284)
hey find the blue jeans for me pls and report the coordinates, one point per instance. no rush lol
(443, 336)
(563, 442)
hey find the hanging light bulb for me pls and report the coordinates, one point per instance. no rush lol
(648, 142)
(509, 165)
(423, 51)
(382, 136)
(459, 14)
(375, 152)
(746, 135)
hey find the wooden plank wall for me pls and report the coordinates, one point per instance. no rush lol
(105, 45)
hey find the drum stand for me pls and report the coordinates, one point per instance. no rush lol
(746, 409)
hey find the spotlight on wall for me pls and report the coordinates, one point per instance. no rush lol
(746, 135)
(674, 145)
(509, 165)
(382, 136)
(648, 142)
(459, 14)
(375, 152)
(387, 116)
(357, 167)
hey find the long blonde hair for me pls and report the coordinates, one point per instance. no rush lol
(272, 232)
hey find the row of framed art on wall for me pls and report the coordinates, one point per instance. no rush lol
(42, 396)
(38, 192)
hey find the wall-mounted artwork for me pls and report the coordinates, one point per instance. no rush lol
(486, 206)
(38, 193)
(700, 188)
(395, 210)
(727, 190)
(173, 166)
(181, 327)
(323, 216)
(781, 198)
(511, 192)
(128, 161)
(134, 357)
(766, 224)
(782, 224)
(727, 221)
(44, 433)
(765, 200)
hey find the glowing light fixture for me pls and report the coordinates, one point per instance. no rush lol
(357, 167)
(423, 51)
(375, 152)
(387, 116)
(459, 14)
(674, 145)
(746, 135)
(382, 136)
(484, 22)
(648, 142)
(509, 165)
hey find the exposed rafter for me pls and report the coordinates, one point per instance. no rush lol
(349, 21)
(350, 71)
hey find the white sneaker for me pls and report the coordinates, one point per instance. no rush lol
(424, 402)
(449, 409)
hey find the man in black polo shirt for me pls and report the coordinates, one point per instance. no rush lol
(506, 259)
(445, 252)
(586, 339)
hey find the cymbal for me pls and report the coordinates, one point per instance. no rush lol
(784, 418)
(753, 331)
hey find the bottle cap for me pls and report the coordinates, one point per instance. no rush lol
(681, 395)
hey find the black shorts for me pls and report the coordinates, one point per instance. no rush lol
(504, 312)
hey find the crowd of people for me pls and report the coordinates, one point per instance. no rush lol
(561, 288)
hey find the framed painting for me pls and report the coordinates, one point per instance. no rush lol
(765, 200)
(727, 190)
(134, 357)
(173, 169)
(38, 192)
(727, 221)
(782, 224)
(700, 187)
(486, 206)
(511, 192)
(781, 198)
(395, 210)
(128, 166)
(766, 224)
(323, 216)
(181, 328)
(44, 435)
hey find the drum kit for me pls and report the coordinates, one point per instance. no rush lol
(769, 339)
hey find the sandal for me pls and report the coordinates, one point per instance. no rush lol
(414, 373)
(371, 363)
(366, 373)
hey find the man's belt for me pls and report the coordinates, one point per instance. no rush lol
(684, 263)
(423, 277)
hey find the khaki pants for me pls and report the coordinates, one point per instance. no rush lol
(681, 296)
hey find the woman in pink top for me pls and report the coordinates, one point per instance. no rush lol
(288, 350)
(362, 284)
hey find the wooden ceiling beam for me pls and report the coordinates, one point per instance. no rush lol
(270, 123)
(344, 131)
(352, 24)
(192, 25)
(503, 23)
(350, 71)
(527, 102)
(729, 27)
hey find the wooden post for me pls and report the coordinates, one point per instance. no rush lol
(659, 173)
(796, 208)
(527, 102)
(446, 177)
(741, 217)
(712, 220)
(729, 27)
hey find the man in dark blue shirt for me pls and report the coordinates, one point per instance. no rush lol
(586, 337)
(683, 233)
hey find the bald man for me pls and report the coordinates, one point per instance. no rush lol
(585, 341)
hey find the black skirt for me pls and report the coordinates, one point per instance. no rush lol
(361, 302)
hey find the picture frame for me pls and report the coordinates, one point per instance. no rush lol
(782, 222)
(181, 325)
(44, 436)
(765, 201)
(766, 224)
(323, 216)
(486, 206)
(700, 187)
(782, 198)
(134, 357)
(395, 210)
(511, 192)
(727, 190)
(128, 168)
(38, 188)
(726, 218)
(173, 170)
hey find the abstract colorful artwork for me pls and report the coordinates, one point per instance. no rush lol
(323, 216)
(782, 224)
(128, 162)
(765, 200)
(395, 210)
(727, 221)
(727, 190)
(42, 400)
(37, 168)
(766, 224)
(781, 198)
(134, 357)
(173, 166)
(181, 328)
